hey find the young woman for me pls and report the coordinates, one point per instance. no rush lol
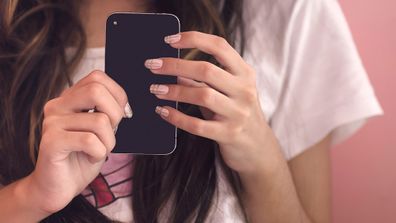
(265, 88)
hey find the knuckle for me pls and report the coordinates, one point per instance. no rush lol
(221, 42)
(96, 76)
(95, 90)
(101, 153)
(207, 97)
(194, 34)
(48, 138)
(48, 122)
(242, 113)
(197, 127)
(89, 139)
(207, 70)
(250, 95)
(102, 120)
(234, 131)
(49, 107)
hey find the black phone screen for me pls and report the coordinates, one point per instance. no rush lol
(131, 38)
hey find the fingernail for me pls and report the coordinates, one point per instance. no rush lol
(162, 111)
(153, 63)
(115, 129)
(172, 38)
(128, 111)
(159, 89)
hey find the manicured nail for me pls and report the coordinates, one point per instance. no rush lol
(162, 111)
(153, 63)
(115, 129)
(172, 38)
(128, 111)
(159, 89)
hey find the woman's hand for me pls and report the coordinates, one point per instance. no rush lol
(236, 121)
(75, 143)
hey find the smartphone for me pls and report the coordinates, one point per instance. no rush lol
(131, 38)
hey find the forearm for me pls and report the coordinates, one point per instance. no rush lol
(19, 203)
(269, 193)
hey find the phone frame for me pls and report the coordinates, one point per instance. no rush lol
(178, 56)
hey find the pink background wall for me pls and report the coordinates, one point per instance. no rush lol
(364, 167)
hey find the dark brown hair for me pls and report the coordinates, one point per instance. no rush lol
(34, 68)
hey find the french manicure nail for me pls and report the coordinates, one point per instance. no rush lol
(128, 111)
(162, 111)
(172, 38)
(153, 63)
(159, 89)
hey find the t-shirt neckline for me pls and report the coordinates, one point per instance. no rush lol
(95, 52)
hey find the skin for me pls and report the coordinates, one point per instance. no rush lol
(275, 190)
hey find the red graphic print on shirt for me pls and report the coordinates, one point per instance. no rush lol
(113, 182)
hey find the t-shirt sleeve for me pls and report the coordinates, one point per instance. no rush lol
(325, 88)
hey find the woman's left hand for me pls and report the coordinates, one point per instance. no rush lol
(236, 121)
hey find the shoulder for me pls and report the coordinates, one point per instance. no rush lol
(302, 50)
(284, 7)
(278, 31)
(277, 18)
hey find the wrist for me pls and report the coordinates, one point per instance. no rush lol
(262, 174)
(266, 163)
(30, 199)
(268, 169)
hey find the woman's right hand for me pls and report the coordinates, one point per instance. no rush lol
(75, 143)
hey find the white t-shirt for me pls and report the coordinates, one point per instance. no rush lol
(311, 82)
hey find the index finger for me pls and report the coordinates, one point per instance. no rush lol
(113, 87)
(216, 46)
